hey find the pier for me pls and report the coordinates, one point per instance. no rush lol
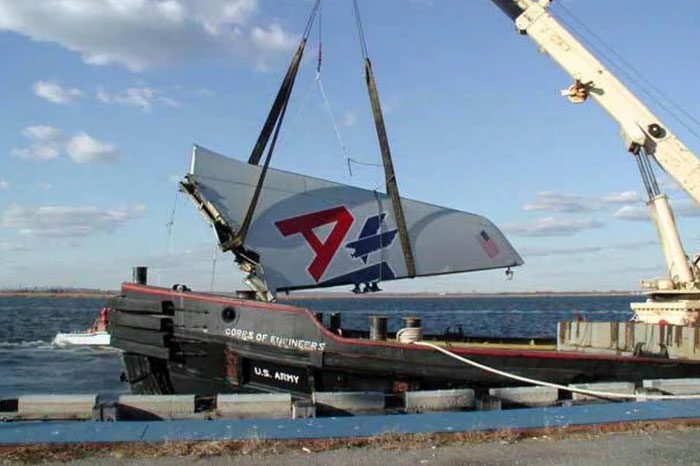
(84, 419)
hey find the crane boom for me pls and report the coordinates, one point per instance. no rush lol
(639, 126)
(644, 135)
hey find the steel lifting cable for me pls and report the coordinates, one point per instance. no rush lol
(596, 393)
(629, 74)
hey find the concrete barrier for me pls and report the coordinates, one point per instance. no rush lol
(626, 388)
(487, 403)
(62, 432)
(526, 396)
(254, 406)
(157, 407)
(674, 386)
(56, 407)
(350, 402)
(438, 400)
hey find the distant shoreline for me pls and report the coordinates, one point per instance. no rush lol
(331, 295)
(58, 294)
(382, 295)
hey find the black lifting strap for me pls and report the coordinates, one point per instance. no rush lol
(272, 123)
(392, 187)
(280, 101)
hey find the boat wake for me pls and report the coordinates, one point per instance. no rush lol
(24, 344)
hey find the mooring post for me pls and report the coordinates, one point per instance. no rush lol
(377, 328)
(412, 321)
(140, 275)
(334, 324)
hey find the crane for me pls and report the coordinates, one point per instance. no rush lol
(674, 299)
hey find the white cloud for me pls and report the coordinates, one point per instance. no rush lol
(640, 213)
(626, 197)
(349, 119)
(4, 184)
(11, 247)
(141, 97)
(67, 221)
(44, 146)
(206, 92)
(51, 90)
(48, 144)
(551, 226)
(38, 152)
(556, 202)
(41, 132)
(142, 33)
(83, 148)
(542, 252)
(636, 213)
(685, 208)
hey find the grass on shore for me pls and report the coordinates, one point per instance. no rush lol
(204, 449)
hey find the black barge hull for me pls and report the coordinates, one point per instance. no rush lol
(184, 342)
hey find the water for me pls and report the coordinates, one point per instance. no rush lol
(30, 364)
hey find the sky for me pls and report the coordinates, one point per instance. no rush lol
(102, 101)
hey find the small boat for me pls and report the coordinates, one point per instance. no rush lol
(97, 335)
(82, 339)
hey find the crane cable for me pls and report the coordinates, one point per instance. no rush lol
(328, 107)
(541, 383)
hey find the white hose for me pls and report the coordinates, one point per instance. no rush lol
(554, 385)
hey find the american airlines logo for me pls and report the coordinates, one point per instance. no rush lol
(372, 238)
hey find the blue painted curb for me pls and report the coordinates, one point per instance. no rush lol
(66, 432)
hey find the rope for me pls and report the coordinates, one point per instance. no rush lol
(410, 335)
(334, 122)
(213, 267)
(541, 383)
(171, 223)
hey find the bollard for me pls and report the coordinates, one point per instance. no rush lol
(140, 275)
(334, 324)
(319, 317)
(377, 328)
(411, 322)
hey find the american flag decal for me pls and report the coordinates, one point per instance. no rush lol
(488, 244)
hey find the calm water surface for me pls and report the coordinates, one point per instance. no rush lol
(30, 364)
